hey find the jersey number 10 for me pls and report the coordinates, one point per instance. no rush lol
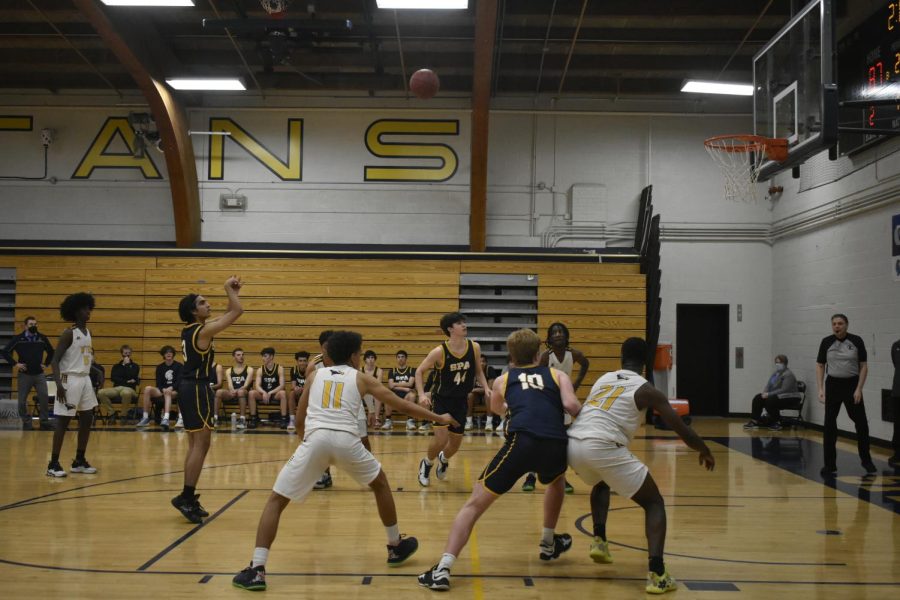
(606, 393)
(535, 382)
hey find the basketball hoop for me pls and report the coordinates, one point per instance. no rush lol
(275, 8)
(740, 158)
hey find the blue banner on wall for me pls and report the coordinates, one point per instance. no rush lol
(895, 246)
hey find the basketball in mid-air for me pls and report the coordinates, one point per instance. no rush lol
(424, 83)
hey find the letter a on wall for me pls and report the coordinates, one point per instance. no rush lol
(99, 156)
(411, 150)
(292, 170)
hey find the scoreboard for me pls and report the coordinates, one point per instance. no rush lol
(868, 60)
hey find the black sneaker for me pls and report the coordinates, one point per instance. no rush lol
(569, 488)
(894, 461)
(82, 466)
(751, 424)
(828, 472)
(188, 508)
(435, 579)
(323, 482)
(530, 481)
(54, 469)
(870, 467)
(561, 543)
(251, 578)
(26, 425)
(199, 509)
(398, 554)
(253, 422)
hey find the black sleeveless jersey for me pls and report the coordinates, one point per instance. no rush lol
(298, 377)
(238, 380)
(405, 376)
(456, 375)
(535, 403)
(197, 363)
(269, 379)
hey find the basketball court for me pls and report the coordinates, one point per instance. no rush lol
(558, 175)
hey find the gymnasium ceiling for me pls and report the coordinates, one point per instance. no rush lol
(624, 49)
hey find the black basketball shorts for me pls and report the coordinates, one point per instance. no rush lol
(524, 453)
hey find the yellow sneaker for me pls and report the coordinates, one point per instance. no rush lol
(600, 551)
(660, 584)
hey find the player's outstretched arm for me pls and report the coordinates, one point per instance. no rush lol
(649, 396)
(426, 366)
(369, 385)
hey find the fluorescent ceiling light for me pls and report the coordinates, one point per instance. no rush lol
(207, 84)
(426, 4)
(716, 87)
(148, 2)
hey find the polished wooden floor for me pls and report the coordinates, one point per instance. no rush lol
(761, 524)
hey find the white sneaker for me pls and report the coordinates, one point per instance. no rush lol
(424, 472)
(468, 424)
(179, 424)
(410, 424)
(489, 426)
(55, 470)
(164, 423)
(442, 465)
(242, 423)
(499, 429)
(292, 426)
(425, 426)
(388, 425)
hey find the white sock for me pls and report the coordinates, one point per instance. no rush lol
(547, 536)
(446, 561)
(260, 556)
(146, 415)
(428, 462)
(393, 534)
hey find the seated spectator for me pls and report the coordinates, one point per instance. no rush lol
(168, 372)
(782, 381)
(126, 375)
(477, 395)
(238, 379)
(269, 388)
(298, 382)
(402, 381)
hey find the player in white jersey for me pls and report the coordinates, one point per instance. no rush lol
(74, 393)
(598, 451)
(327, 423)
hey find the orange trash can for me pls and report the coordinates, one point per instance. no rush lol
(663, 359)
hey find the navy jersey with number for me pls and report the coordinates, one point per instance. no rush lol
(197, 363)
(456, 374)
(298, 377)
(238, 380)
(535, 403)
(269, 379)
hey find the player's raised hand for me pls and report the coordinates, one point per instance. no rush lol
(707, 460)
(234, 283)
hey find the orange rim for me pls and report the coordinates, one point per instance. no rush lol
(775, 148)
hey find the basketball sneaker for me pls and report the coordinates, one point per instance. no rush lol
(54, 469)
(292, 424)
(569, 488)
(530, 481)
(388, 425)
(600, 551)
(145, 422)
(410, 424)
(215, 421)
(442, 465)
(489, 426)
(424, 473)
(179, 424)
(323, 482)
(660, 584)
(435, 579)
(398, 554)
(562, 542)
(242, 423)
(469, 424)
(425, 426)
(200, 510)
(499, 428)
(252, 578)
(869, 466)
(82, 466)
(188, 508)
(164, 423)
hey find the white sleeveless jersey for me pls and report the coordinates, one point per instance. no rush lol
(334, 400)
(610, 413)
(565, 365)
(78, 357)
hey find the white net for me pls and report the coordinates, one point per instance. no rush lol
(740, 158)
(275, 7)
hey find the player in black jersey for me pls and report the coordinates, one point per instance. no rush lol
(536, 397)
(458, 364)
(236, 386)
(402, 381)
(321, 360)
(195, 396)
(269, 388)
(298, 382)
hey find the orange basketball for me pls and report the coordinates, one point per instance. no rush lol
(424, 83)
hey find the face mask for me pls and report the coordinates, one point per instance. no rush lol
(32, 329)
(779, 367)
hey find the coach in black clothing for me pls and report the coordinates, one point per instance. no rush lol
(843, 356)
(30, 347)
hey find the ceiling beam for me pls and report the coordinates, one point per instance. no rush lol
(485, 28)
(171, 122)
